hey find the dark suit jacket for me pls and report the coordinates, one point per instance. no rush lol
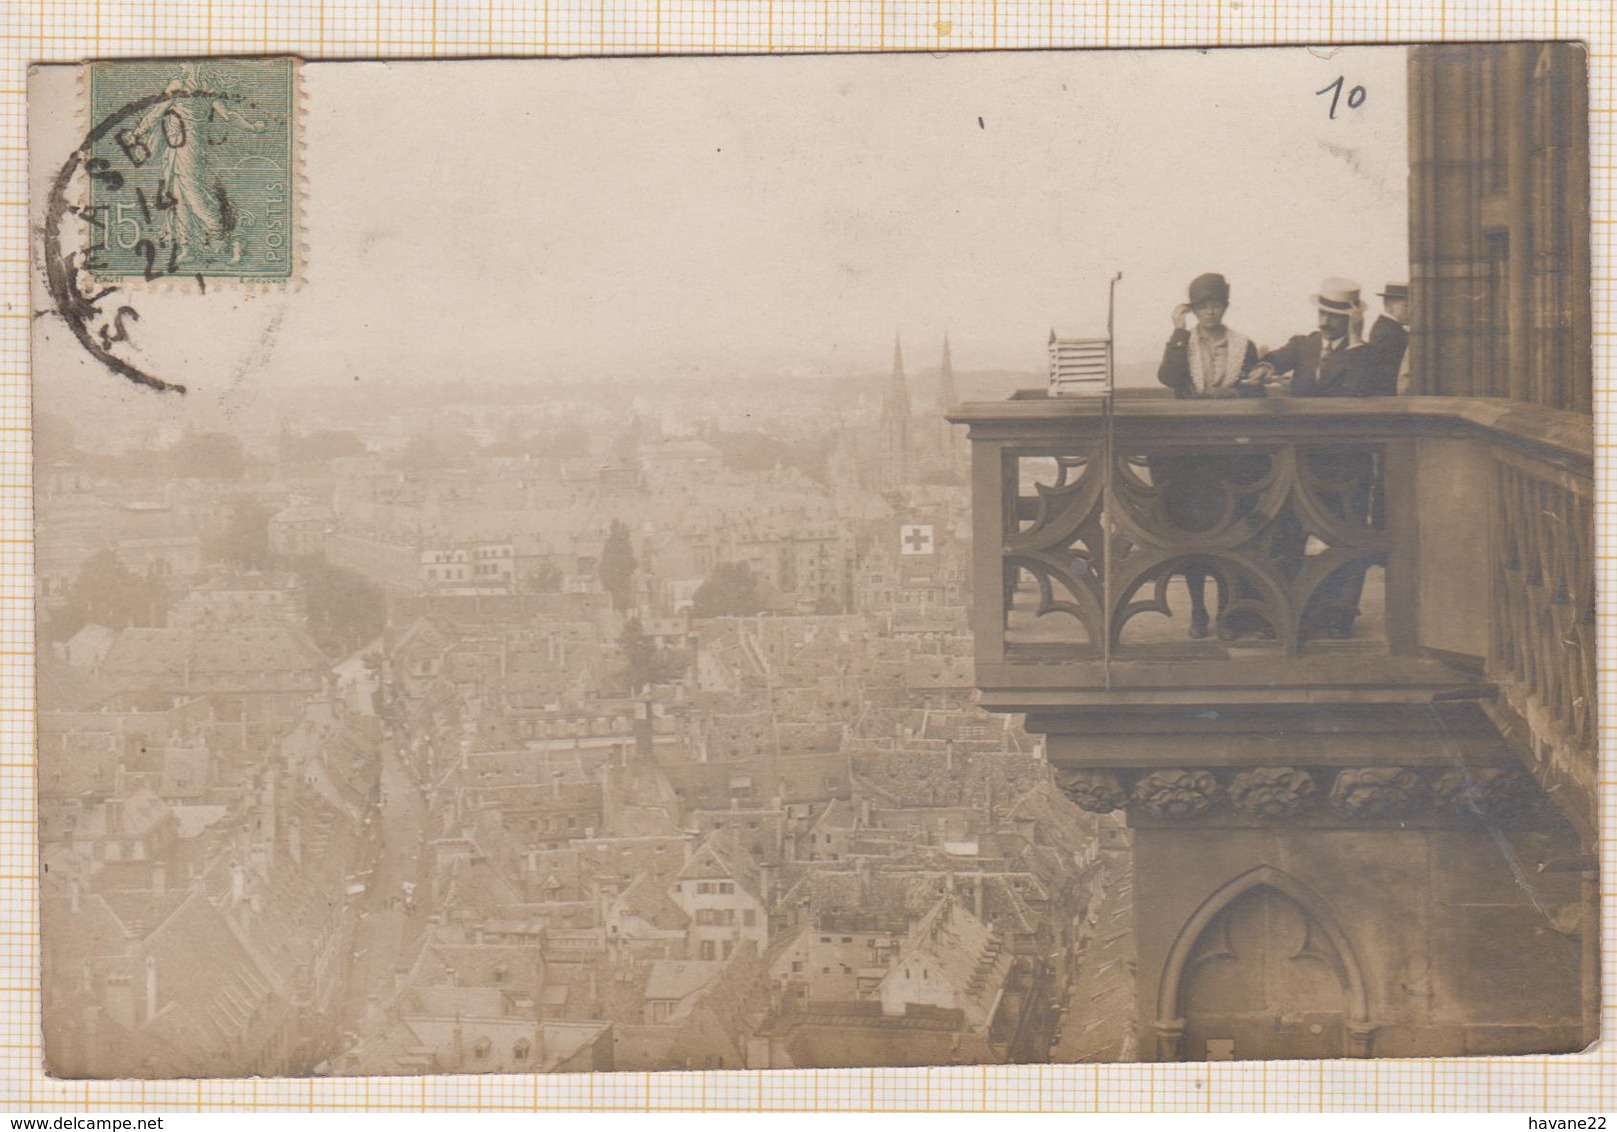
(1174, 372)
(1346, 373)
(1388, 341)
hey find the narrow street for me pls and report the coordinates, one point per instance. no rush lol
(381, 931)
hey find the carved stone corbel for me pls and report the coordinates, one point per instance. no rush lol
(1176, 793)
(1376, 793)
(1097, 791)
(1500, 793)
(1271, 791)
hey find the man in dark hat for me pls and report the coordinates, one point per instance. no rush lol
(1210, 361)
(1389, 338)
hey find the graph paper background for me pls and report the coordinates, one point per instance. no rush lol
(50, 30)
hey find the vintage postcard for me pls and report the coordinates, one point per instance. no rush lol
(552, 566)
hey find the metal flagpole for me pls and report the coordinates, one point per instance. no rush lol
(1106, 449)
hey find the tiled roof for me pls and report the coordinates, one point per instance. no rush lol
(677, 979)
(142, 812)
(510, 966)
(141, 910)
(723, 856)
(648, 898)
(61, 687)
(241, 659)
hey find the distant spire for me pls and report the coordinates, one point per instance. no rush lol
(898, 390)
(895, 420)
(947, 394)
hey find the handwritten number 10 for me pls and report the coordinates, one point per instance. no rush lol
(1355, 98)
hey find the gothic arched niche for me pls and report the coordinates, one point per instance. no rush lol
(1260, 972)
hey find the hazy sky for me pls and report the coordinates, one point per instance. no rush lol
(650, 216)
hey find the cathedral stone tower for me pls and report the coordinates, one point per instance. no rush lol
(897, 461)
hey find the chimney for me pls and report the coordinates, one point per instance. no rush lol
(151, 986)
(643, 729)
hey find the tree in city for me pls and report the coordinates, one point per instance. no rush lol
(345, 609)
(730, 591)
(547, 579)
(106, 592)
(616, 568)
(646, 662)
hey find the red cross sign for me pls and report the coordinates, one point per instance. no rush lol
(915, 539)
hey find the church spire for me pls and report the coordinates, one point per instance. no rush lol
(947, 394)
(895, 422)
(898, 390)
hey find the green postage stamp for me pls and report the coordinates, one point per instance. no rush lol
(192, 169)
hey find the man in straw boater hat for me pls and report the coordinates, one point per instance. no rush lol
(1330, 362)
(1208, 361)
(1333, 361)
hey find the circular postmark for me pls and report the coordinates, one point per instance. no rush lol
(75, 296)
(179, 186)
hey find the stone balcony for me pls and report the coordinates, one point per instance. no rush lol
(1396, 589)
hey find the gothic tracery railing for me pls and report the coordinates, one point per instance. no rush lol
(1283, 532)
(1376, 550)
(1543, 631)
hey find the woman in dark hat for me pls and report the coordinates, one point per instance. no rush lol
(1209, 361)
(1212, 360)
